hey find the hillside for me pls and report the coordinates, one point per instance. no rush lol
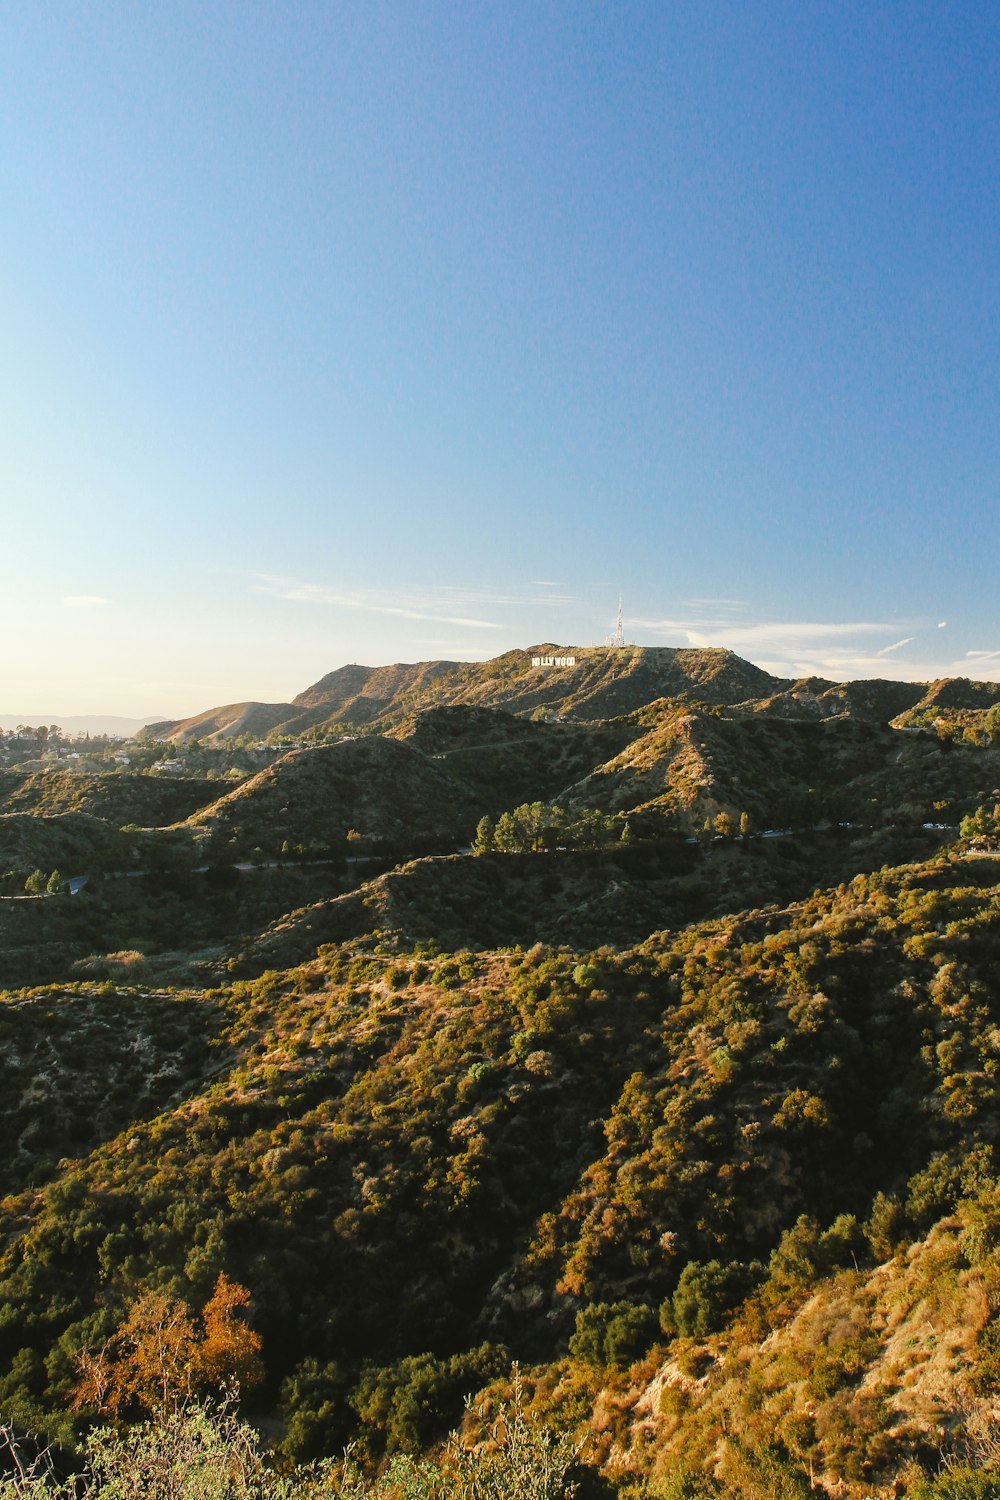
(690, 766)
(68, 841)
(377, 788)
(502, 760)
(228, 722)
(533, 1150)
(871, 699)
(578, 898)
(604, 683)
(649, 1039)
(147, 800)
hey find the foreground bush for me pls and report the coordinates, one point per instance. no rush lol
(205, 1453)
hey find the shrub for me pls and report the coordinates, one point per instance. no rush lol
(705, 1293)
(408, 1405)
(613, 1333)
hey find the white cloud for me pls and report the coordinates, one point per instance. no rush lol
(837, 650)
(84, 601)
(368, 602)
(885, 651)
(444, 604)
(790, 636)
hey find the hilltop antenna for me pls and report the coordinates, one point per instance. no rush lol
(618, 639)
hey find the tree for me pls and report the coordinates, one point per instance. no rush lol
(506, 837)
(485, 840)
(230, 1350)
(36, 883)
(56, 884)
(160, 1358)
(521, 1458)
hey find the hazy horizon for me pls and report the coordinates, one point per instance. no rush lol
(95, 713)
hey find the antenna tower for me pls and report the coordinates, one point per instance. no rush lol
(618, 639)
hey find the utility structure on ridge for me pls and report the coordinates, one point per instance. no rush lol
(618, 639)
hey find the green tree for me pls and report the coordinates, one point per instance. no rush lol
(506, 835)
(485, 840)
(36, 883)
(56, 884)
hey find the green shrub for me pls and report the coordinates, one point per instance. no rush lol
(409, 1405)
(958, 1484)
(705, 1293)
(613, 1333)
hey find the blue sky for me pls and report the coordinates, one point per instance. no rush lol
(387, 331)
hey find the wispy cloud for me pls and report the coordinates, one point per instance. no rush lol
(834, 649)
(442, 604)
(791, 635)
(369, 602)
(464, 621)
(84, 601)
(896, 646)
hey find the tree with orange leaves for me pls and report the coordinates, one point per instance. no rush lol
(162, 1355)
(229, 1352)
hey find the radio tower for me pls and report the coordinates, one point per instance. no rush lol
(618, 639)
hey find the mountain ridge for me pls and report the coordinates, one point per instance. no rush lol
(582, 684)
(598, 682)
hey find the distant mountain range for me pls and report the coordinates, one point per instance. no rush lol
(589, 683)
(113, 725)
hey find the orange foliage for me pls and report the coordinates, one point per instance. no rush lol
(230, 1350)
(159, 1358)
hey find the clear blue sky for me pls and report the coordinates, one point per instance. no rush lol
(386, 331)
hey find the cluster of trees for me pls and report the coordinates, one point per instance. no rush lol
(537, 826)
(38, 883)
(983, 823)
(42, 734)
(727, 825)
(162, 1355)
(968, 726)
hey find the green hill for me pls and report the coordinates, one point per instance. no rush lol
(691, 765)
(681, 1090)
(407, 1156)
(380, 789)
(149, 801)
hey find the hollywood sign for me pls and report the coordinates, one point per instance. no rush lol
(553, 661)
